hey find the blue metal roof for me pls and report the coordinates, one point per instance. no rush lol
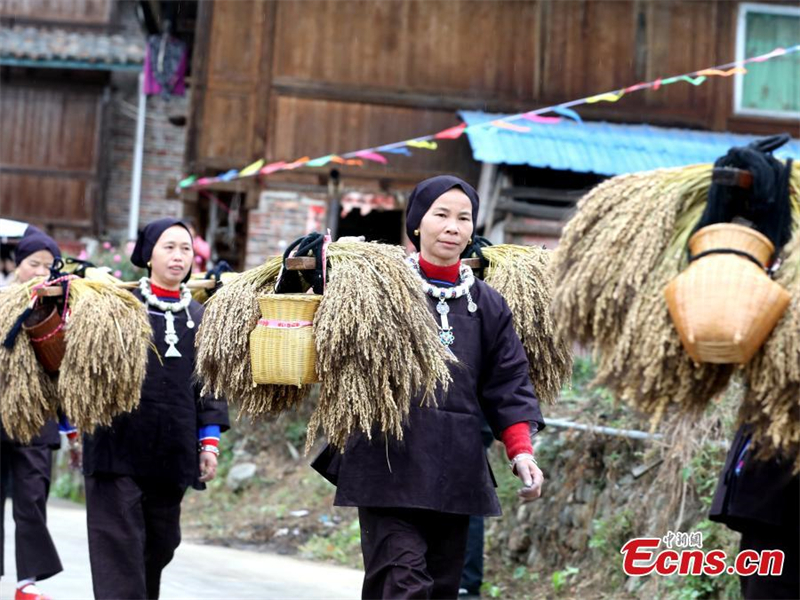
(602, 148)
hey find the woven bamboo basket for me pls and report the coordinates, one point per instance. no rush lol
(282, 350)
(45, 329)
(724, 306)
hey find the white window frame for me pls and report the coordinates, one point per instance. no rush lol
(738, 84)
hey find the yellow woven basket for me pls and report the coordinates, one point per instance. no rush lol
(282, 347)
(724, 306)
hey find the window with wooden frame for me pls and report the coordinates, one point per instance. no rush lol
(771, 88)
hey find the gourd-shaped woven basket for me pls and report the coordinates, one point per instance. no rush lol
(45, 328)
(724, 305)
(282, 347)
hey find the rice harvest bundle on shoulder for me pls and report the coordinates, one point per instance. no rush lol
(28, 397)
(107, 336)
(626, 242)
(520, 274)
(223, 344)
(772, 397)
(377, 344)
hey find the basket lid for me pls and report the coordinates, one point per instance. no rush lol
(734, 237)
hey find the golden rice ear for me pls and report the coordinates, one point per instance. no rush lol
(105, 361)
(373, 313)
(27, 395)
(223, 345)
(625, 243)
(521, 275)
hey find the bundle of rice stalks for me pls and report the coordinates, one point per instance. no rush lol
(615, 257)
(377, 344)
(28, 397)
(627, 241)
(520, 274)
(223, 344)
(105, 361)
(772, 400)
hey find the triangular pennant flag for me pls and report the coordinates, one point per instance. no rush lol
(610, 97)
(452, 133)
(320, 162)
(252, 169)
(510, 126)
(188, 181)
(397, 150)
(273, 168)
(425, 145)
(298, 163)
(728, 73)
(373, 156)
(540, 119)
(567, 112)
(227, 175)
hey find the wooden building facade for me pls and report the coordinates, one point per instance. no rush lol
(286, 79)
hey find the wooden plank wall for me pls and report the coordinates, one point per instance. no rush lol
(293, 78)
(48, 158)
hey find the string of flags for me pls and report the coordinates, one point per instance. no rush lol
(515, 122)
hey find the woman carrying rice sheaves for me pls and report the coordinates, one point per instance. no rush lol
(25, 469)
(415, 496)
(138, 470)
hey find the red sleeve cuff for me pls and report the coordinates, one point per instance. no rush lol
(517, 439)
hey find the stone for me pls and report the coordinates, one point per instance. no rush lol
(240, 475)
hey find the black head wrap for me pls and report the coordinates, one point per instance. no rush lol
(148, 236)
(426, 193)
(33, 241)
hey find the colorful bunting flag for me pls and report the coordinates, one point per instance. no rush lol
(610, 97)
(273, 168)
(453, 133)
(540, 119)
(567, 112)
(373, 156)
(695, 78)
(188, 181)
(510, 126)
(228, 175)
(252, 169)
(423, 144)
(396, 150)
(728, 73)
(321, 161)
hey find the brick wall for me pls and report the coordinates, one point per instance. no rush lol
(162, 161)
(281, 217)
(164, 145)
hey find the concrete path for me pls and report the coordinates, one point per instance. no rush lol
(197, 571)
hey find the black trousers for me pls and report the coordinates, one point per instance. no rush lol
(411, 553)
(25, 478)
(472, 574)
(784, 586)
(134, 529)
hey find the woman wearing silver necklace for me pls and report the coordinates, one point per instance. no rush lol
(415, 497)
(138, 469)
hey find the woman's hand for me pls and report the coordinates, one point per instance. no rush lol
(531, 477)
(208, 466)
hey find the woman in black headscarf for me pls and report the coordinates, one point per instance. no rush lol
(25, 470)
(138, 469)
(414, 497)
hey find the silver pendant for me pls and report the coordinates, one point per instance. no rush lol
(442, 308)
(472, 307)
(190, 324)
(170, 336)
